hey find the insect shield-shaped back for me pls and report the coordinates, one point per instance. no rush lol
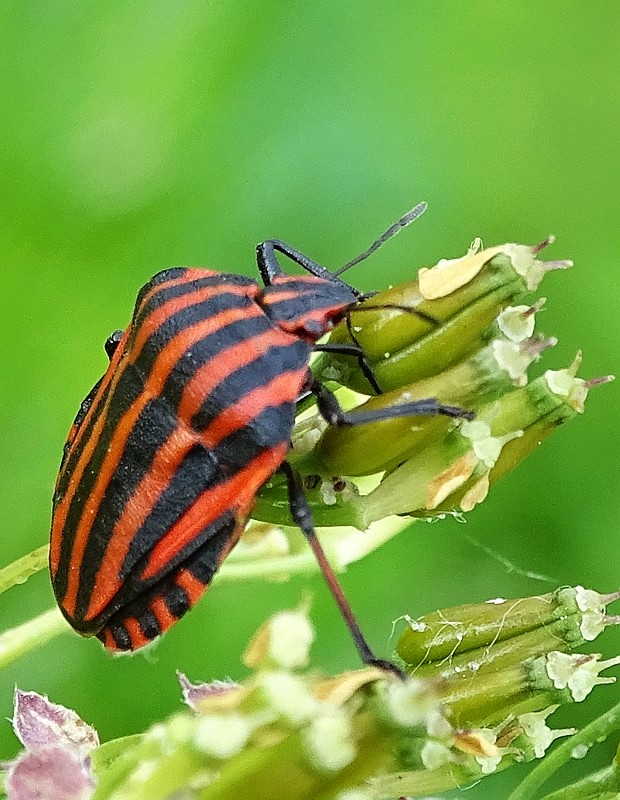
(307, 306)
(194, 415)
(160, 474)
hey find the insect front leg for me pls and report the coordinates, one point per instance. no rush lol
(330, 409)
(355, 351)
(301, 513)
(270, 268)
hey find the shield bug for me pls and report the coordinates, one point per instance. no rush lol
(193, 415)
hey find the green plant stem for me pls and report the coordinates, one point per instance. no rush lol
(597, 731)
(296, 564)
(23, 568)
(340, 550)
(18, 641)
(601, 785)
(241, 568)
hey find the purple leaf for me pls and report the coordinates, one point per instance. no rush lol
(50, 773)
(193, 693)
(38, 722)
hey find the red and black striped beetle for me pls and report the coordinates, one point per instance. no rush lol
(193, 415)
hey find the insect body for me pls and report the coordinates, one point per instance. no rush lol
(193, 416)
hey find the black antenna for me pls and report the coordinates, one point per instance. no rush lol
(391, 231)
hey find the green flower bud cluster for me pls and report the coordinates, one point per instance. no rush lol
(365, 735)
(451, 308)
(485, 679)
(460, 334)
(283, 733)
(503, 667)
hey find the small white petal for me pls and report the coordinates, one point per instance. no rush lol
(328, 493)
(588, 599)
(488, 764)
(525, 264)
(222, 735)
(579, 673)
(289, 696)
(329, 742)
(435, 754)
(290, 637)
(539, 733)
(411, 703)
(513, 359)
(564, 383)
(516, 324)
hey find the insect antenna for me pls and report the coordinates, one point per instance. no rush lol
(405, 220)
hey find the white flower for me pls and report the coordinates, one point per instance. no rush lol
(222, 735)
(329, 741)
(290, 637)
(578, 673)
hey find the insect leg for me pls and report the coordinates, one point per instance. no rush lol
(356, 351)
(330, 409)
(270, 268)
(301, 513)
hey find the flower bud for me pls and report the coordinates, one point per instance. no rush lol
(479, 638)
(454, 474)
(525, 686)
(451, 305)
(489, 373)
(284, 641)
(433, 465)
(473, 628)
(506, 655)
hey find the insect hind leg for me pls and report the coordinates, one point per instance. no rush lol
(302, 515)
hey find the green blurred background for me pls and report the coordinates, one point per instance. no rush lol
(141, 135)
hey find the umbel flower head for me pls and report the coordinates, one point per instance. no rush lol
(519, 651)
(483, 687)
(289, 732)
(456, 304)
(462, 333)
